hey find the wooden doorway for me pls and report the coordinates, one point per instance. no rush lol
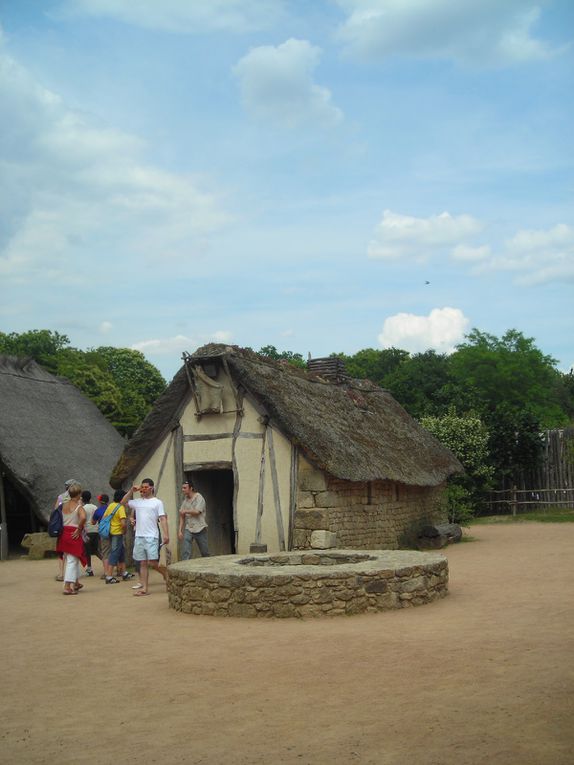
(216, 487)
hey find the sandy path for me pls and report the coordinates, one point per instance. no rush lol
(484, 676)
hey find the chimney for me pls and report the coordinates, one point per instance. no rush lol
(330, 368)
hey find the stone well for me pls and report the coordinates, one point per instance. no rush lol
(307, 583)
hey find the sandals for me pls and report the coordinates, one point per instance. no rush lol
(140, 593)
(78, 587)
(112, 580)
(69, 592)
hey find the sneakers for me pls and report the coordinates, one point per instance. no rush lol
(89, 572)
(137, 586)
(126, 575)
(112, 580)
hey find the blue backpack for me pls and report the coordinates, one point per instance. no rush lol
(56, 522)
(105, 523)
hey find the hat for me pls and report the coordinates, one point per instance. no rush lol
(70, 482)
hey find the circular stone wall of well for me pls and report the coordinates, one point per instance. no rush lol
(314, 583)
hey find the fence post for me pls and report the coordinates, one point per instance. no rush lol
(513, 500)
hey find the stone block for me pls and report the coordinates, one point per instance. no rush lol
(328, 499)
(256, 547)
(310, 519)
(38, 544)
(323, 540)
(305, 499)
(311, 479)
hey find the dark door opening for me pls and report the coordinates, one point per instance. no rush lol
(216, 486)
(20, 518)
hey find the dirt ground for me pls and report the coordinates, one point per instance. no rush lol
(484, 676)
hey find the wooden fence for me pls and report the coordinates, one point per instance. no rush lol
(549, 485)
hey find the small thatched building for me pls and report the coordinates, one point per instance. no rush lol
(49, 432)
(280, 453)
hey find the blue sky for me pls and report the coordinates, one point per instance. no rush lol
(322, 176)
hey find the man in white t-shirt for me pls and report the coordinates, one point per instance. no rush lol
(148, 510)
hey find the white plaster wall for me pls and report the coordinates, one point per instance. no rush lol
(248, 460)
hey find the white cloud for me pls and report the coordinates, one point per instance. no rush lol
(403, 236)
(441, 330)
(484, 32)
(181, 343)
(537, 256)
(183, 16)
(277, 84)
(466, 253)
(105, 327)
(73, 192)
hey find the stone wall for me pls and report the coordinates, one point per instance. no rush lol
(337, 582)
(373, 515)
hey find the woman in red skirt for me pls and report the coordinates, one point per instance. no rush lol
(70, 541)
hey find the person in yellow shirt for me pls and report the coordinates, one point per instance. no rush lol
(117, 557)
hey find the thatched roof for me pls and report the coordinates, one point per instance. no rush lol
(50, 432)
(355, 431)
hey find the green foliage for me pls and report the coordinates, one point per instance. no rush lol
(133, 373)
(295, 359)
(120, 381)
(510, 372)
(540, 516)
(422, 384)
(460, 505)
(42, 345)
(373, 364)
(468, 439)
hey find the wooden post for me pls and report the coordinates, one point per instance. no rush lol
(276, 496)
(513, 500)
(236, 430)
(3, 519)
(178, 465)
(261, 488)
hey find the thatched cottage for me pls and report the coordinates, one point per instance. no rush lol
(49, 432)
(280, 453)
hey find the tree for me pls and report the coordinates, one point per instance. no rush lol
(133, 373)
(510, 371)
(272, 353)
(43, 345)
(120, 381)
(422, 384)
(373, 364)
(468, 439)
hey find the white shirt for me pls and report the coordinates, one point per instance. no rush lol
(148, 512)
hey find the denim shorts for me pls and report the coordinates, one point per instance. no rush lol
(146, 548)
(117, 553)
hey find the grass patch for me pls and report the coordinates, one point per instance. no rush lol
(538, 516)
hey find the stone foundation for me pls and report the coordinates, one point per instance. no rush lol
(363, 515)
(298, 584)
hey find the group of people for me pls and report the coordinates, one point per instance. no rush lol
(83, 533)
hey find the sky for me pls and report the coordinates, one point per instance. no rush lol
(318, 175)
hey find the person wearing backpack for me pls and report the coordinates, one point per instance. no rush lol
(112, 528)
(117, 532)
(103, 550)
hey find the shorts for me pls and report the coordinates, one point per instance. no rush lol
(105, 547)
(117, 554)
(146, 548)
